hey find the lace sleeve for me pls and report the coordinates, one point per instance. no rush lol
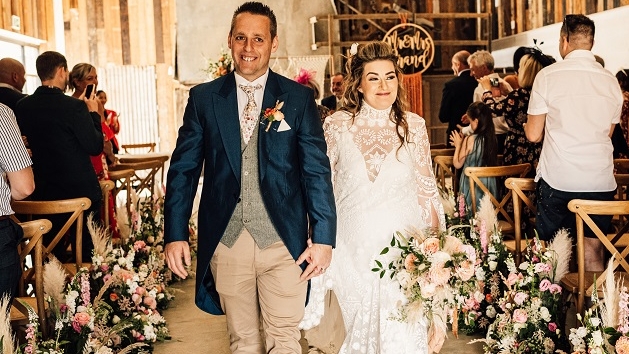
(426, 190)
(331, 129)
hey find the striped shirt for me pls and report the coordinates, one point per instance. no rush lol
(13, 155)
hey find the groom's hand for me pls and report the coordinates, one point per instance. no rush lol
(318, 257)
(174, 252)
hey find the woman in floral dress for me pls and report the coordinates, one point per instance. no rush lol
(514, 107)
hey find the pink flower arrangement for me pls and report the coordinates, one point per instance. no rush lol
(80, 319)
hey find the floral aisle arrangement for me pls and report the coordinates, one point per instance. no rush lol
(605, 326)
(221, 67)
(435, 271)
(479, 309)
(527, 322)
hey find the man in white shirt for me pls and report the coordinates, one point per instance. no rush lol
(574, 107)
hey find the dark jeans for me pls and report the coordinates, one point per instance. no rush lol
(10, 268)
(553, 213)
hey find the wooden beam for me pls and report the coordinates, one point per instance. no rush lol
(6, 14)
(28, 27)
(42, 29)
(113, 40)
(124, 32)
(90, 29)
(159, 31)
(17, 9)
(100, 35)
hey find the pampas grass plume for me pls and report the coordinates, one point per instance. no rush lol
(561, 251)
(611, 296)
(487, 212)
(54, 281)
(5, 326)
(100, 237)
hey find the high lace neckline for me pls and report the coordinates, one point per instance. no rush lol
(372, 114)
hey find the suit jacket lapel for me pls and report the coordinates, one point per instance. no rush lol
(227, 119)
(272, 93)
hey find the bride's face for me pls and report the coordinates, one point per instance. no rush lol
(379, 84)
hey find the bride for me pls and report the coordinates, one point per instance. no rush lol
(383, 182)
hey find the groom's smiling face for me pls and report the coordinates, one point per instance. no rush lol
(251, 44)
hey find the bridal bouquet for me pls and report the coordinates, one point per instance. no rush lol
(527, 322)
(435, 272)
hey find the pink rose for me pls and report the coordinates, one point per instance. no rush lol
(470, 252)
(520, 316)
(471, 303)
(466, 270)
(439, 275)
(80, 319)
(520, 297)
(554, 289)
(140, 290)
(514, 278)
(409, 262)
(138, 245)
(106, 277)
(622, 345)
(137, 299)
(104, 267)
(150, 302)
(542, 268)
(552, 326)
(431, 245)
(545, 285)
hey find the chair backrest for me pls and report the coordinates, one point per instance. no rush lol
(149, 146)
(622, 180)
(32, 244)
(621, 166)
(441, 152)
(76, 207)
(106, 187)
(619, 250)
(518, 187)
(475, 173)
(444, 168)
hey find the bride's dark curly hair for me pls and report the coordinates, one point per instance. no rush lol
(353, 99)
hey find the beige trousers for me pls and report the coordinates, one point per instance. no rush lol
(260, 286)
(328, 336)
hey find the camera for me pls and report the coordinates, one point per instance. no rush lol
(494, 82)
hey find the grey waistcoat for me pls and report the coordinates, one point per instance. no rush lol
(250, 211)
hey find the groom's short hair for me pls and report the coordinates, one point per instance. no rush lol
(256, 8)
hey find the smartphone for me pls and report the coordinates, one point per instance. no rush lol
(89, 90)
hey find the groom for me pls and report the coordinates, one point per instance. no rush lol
(264, 181)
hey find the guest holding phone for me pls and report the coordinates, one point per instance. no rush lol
(84, 80)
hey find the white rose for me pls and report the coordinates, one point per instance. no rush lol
(493, 265)
(491, 311)
(544, 313)
(597, 337)
(428, 290)
(524, 265)
(115, 319)
(595, 321)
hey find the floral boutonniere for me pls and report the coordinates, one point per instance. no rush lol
(273, 114)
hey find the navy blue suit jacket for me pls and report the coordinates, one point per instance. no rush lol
(458, 94)
(294, 172)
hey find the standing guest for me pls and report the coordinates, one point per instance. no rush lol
(306, 78)
(481, 65)
(12, 80)
(82, 75)
(623, 80)
(375, 197)
(514, 107)
(476, 150)
(16, 183)
(576, 122)
(111, 118)
(457, 93)
(63, 132)
(266, 177)
(337, 87)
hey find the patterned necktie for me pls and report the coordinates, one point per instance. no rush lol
(250, 115)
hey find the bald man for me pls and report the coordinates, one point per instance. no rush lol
(12, 80)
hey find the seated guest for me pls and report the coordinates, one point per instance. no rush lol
(111, 118)
(514, 108)
(333, 102)
(63, 132)
(307, 79)
(12, 80)
(16, 183)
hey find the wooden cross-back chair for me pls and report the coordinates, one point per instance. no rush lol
(106, 187)
(518, 186)
(581, 283)
(475, 174)
(75, 207)
(144, 174)
(444, 169)
(122, 181)
(621, 166)
(32, 244)
(149, 146)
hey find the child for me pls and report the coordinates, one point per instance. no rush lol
(476, 150)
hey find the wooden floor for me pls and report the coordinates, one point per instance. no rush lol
(194, 331)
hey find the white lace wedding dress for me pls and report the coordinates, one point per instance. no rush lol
(379, 189)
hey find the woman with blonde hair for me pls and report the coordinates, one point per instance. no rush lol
(383, 183)
(518, 149)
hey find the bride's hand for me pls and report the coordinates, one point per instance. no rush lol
(318, 257)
